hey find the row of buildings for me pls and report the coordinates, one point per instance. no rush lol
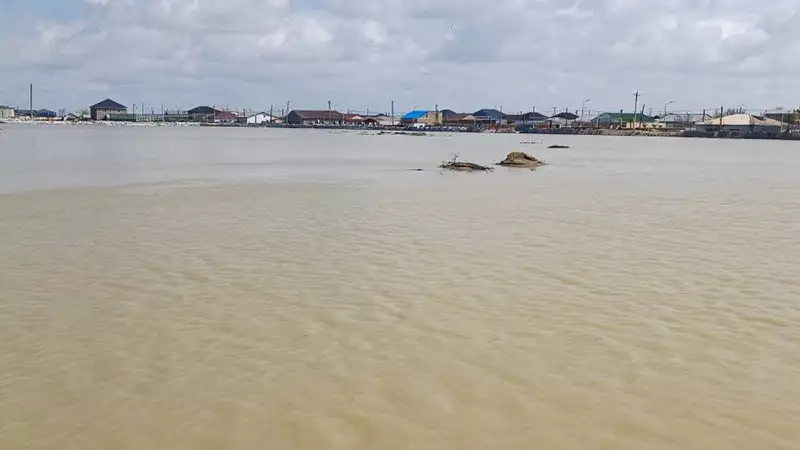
(8, 112)
(735, 123)
(111, 110)
(425, 118)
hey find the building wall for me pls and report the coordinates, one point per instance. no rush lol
(6, 113)
(741, 130)
(100, 114)
(432, 118)
(258, 119)
(387, 121)
(123, 117)
(201, 117)
(176, 117)
(677, 125)
(295, 119)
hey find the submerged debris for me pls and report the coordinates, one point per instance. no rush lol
(558, 146)
(402, 133)
(520, 159)
(463, 166)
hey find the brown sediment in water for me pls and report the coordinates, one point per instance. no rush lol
(464, 166)
(521, 159)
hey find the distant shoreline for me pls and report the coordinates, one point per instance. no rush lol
(392, 130)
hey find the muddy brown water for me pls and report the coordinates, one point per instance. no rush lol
(207, 289)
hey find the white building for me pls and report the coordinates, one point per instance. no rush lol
(386, 120)
(260, 119)
(6, 112)
(741, 125)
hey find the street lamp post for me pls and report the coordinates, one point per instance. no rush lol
(665, 108)
(583, 107)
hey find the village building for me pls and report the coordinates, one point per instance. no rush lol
(260, 119)
(676, 121)
(203, 114)
(381, 120)
(623, 120)
(314, 117)
(458, 119)
(741, 125)
(106, 108)
(421, 118)
(528, 118)
(7, 112)
(490, 116)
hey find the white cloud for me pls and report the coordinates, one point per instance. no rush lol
(463, 54)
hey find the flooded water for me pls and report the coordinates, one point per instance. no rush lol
(273, 289)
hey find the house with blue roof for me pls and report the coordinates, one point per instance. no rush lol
(421, 117)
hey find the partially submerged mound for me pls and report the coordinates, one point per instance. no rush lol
(464, 166)
(558, 146)
(520, 159)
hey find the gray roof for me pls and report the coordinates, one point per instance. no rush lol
(5, 107)
(317, 114)
(489, 112)
(203, 110)
(108, 104)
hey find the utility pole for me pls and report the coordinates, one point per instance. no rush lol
(583, 107)
(436, 117)
(641, 116)
(329, 112)
(392, 112)
(30, 105)
(635, 106)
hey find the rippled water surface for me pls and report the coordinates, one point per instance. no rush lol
(236, 288)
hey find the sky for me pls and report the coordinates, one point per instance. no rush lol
(361, 55)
